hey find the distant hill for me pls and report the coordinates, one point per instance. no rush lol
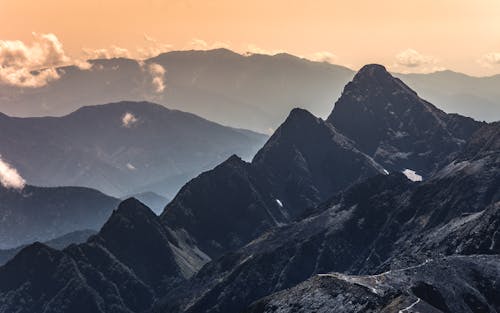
(41, 214)
(120, 148)
(78, 236)
(254, 92)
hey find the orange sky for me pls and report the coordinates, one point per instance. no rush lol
(462, 35)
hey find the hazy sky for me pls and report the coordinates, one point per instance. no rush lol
(405, 35)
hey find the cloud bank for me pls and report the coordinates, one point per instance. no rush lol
(490, 59)
(9, 177)
(323, 56)
(32, 65)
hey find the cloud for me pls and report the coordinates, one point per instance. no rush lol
(323, 56)
(412, 59)
(490, 59)
(253, 49)
(107, 53)
(154, 48)
(200, 44)
(128, 119)
(32, 65)
(158, 74)
(9, 177)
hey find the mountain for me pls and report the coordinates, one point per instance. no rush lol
(121, 269)
(389, 122)
(120, 148)
(252, 91)
(78, 236)
(42, 213)
(225, 208)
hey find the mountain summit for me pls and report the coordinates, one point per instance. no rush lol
(391, 123)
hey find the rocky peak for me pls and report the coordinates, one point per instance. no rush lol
(389, 122)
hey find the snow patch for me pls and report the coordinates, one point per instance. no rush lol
(412, 175)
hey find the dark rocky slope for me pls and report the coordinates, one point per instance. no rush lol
(383, 223)
(303, 163)
(131, 261)
(391, 123)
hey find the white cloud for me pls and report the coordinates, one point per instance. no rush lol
(107, 53)
(128, 119)
(200, 44)
(153, 48)
(32, 65)
(9, 177)
(490, 59)
(413, 61)
(323, 56)
(411, 58)
(158, 74)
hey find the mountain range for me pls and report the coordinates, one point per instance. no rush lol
(250, 91)
(120, 148)
(388, 205)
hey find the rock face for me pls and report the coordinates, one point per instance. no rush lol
(303, 163)
(131, 261)
(41, 214)
(120, 148)
(307, 160)
(392, 124)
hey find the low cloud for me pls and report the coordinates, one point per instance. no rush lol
(153, 48)
(9, 177)
(254, 49)
(323, 56)
(490, 59)
(411, 60)
(32, 65)
(128, 119)
(200, 44)
(107, 53)
(158, 75)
